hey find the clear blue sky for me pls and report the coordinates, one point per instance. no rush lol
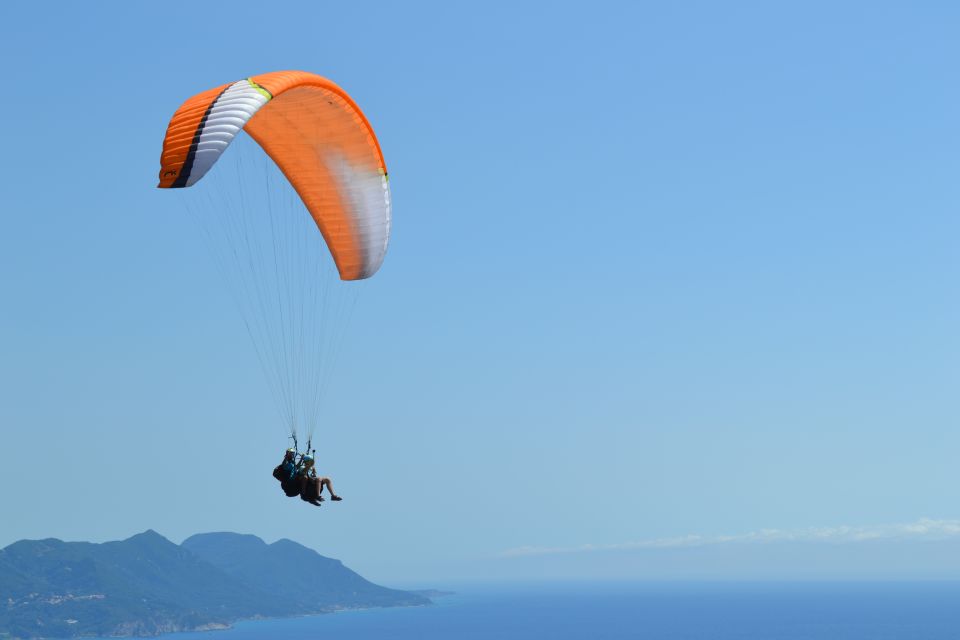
(656, 270)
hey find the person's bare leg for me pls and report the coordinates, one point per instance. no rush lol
(325, 482)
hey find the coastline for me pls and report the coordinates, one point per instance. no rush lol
(233, 624)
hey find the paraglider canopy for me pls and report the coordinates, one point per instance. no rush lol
(312, 161)
(316, 135)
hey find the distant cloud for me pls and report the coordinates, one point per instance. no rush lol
(923, 529)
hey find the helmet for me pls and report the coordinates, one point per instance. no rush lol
(308, 460)
(291, 452)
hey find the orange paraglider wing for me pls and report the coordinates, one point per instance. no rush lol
(317, 136)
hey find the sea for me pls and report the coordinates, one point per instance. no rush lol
(655, 611)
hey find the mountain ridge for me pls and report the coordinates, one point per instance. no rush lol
(146, 585)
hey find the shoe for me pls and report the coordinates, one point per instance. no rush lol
(336, 498)
(320, 498)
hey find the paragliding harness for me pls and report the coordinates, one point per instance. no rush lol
(307, 489)
(291, 485)
(308, 451)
